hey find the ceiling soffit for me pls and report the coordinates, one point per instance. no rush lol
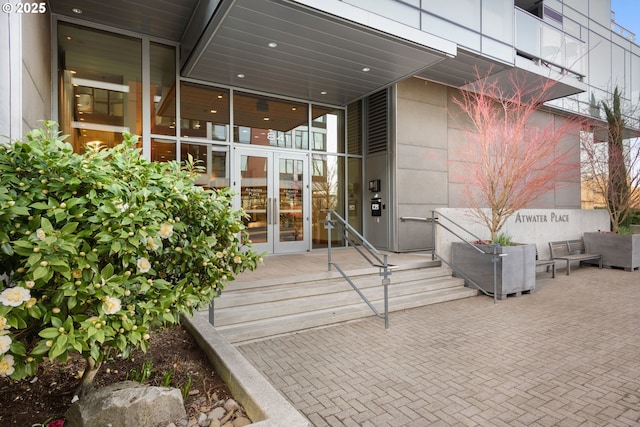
(314, 55)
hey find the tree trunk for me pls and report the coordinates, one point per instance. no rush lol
(86, 385)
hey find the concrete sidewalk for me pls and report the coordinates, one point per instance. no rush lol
(566, 355)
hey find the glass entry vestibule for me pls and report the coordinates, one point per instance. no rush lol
(272, 188)
(287, 160)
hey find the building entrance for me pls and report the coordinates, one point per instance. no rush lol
(272, 188)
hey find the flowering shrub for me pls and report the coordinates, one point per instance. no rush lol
(98, 248)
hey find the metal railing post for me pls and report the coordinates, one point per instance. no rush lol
(495, 259)
(433, 235)
(328, 226)
(385, 283)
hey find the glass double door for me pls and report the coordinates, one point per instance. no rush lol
(273, 189)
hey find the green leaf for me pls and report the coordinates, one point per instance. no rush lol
(69, 228)
(107, 271)
(18, 348)
(40, 272)
(46, 226)
(115, 246)
(49, 333)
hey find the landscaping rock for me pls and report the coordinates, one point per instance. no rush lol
(127, 404)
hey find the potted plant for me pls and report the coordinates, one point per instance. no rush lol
(611, 170)
(515, 267)
(514, 154)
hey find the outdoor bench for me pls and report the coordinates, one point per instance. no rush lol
(546, 263)
(572, 250)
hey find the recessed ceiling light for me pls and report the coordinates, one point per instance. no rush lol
(324, 92)
(266, 119)
(366, 69)
(68, 37)
(272, 44)
(241, 76)
(77, 10)
(294, 109)
(214, 111)
(220, 96)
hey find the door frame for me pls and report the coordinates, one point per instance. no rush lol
(273, 244)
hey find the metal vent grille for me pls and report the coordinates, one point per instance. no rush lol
(354, 128)
(377, 123)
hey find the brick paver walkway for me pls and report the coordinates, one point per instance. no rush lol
(566, 355)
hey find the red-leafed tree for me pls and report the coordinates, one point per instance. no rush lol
(514, 152)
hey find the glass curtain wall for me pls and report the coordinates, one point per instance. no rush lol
(100, 86)
(101, 96)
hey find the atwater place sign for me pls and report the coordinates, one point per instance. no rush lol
(550, 217)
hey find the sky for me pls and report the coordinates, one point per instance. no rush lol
(628, 15)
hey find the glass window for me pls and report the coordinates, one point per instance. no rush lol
(163, 89)
(204, 112)
(261, 120)
(100, 77)
(327, 130)
(213, 161)
(163, 150)
(327, 186)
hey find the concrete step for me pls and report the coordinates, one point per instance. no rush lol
(254, 312)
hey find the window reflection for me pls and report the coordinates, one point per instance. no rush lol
(100, 86)
(163, 150)
(260, 120)
(204, 112)
(327, 186)
(163, 89)
(327, 130)
(212, 160)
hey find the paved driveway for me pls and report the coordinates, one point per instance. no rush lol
(566, 355)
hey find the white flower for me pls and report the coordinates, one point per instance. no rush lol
(112, 305)
(3, 323)
(40, 234)
(123, 207)
(151, 244)
(30, 284)
(6, 365)
(5, 343)
(166, 230)
(143, 265)
(237, 259)
(14, 296)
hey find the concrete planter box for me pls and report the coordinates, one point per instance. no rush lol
(516, 272)
(617, 250)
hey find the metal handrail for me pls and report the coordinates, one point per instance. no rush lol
(495, 257)
(367, 251)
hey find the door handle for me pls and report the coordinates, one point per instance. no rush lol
(276, 218)
(269, 200)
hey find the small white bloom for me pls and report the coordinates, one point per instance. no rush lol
(143, 265)
(237, 259)
(112, 305)
(40, 234)
(151, 244)
(14, 296)
(166, 230)
(3, 323)
(30, 284)
(5, 343)
(6, 365)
